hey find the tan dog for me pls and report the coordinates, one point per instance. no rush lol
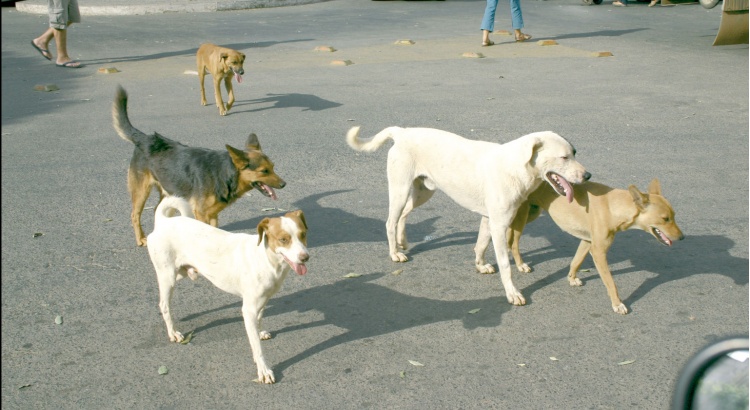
(252, 267)
(223, 64)
(597, 213)
(485, 177)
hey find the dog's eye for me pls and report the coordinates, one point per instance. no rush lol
(284, 240)
(565, 157)
(666, 219)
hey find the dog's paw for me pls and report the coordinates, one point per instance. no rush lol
(264, 335)
(621, 309)
(485, 268)
(141, 241)
(515, 298)
(525, 268)
(399, 257)
(204, 103)
(176, 337)
(265, 376)
(576, 282)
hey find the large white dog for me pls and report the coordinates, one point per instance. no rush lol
(487, 178)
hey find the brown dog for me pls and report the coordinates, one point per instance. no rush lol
(595, 216)
(223, 64)
(210, 180)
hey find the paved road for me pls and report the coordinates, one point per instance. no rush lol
(666, 105)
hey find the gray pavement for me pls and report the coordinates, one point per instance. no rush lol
(666, 104)
(139, 7)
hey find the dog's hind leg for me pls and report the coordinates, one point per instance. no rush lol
(515, 231)
(251, 314)
(419, 195)
(575, 264)
(139, 185)
(230, 91)
(399, 190)
(483, 241)
(167, 279)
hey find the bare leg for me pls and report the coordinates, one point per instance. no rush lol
(61, 42)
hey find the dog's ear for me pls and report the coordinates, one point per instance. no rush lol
(640, 199)
(298, 213)
(530, 149)
(654, 187)
(252, 143)
(239, 158)
(262, 228)
(242, 57)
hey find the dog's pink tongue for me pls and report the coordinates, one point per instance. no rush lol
(301, 269)
(238, 78)
(270, 192)
(568, 189)
(665, 239)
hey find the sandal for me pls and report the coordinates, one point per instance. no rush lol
(43, 51)
(488, 43)
(618, 3)
(653, 3)
(70, 64)
(523, 37)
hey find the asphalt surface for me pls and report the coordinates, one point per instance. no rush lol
(666, 104)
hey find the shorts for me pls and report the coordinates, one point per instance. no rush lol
(62, 13)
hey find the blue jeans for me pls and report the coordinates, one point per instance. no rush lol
(488, 21)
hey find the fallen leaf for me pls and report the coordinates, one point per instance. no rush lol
(38, 234)
(402, 374)
(268, 209)
(554, 359)
(24, 386)
(415, 363)
(521, 364)
(626, 362)
(472, 311)
(187, 338)
(58, 320)
(585, 270)
(397, 272)
(352, 275)
(163, 370)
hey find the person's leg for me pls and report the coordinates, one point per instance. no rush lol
(488, 21)
(515, 15)
(43, 42)
(61, 42)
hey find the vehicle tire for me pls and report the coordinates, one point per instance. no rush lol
(709, 4)
(597, 1)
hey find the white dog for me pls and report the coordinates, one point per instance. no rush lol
(487, 178)
(250, 266)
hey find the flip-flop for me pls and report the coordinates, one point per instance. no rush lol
(44, 52)
(488, 43)
(523, 37)
(70, 64)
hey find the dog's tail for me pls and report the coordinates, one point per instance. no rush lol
(120, 118)
(370, 145)
(168, 206)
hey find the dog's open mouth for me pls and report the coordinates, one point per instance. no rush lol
(660, 236)
(265, 189)
(299, 268)
(561, 185)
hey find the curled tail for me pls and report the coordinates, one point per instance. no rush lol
(120, 119)
(168, 206)
(369, 145)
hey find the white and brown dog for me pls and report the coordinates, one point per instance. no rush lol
(488, 178)
(250, 266)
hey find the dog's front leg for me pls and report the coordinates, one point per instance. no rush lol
(483, 241)
(201, 77)
(230, 91)
(599, 250)
(498, 228)
(217, 94)
(251, 314)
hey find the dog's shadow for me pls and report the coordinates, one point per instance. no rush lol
(330, 226)
(307, 102)
(361, 309)
(695, 255)
(189, 52)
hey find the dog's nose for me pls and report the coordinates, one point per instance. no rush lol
(304, 257)
(242, 71)
(282, 184)
(586, 176)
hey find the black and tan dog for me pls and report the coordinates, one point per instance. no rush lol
(223, 64)
(210, 180)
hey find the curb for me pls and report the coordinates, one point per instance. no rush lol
(168, 6)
